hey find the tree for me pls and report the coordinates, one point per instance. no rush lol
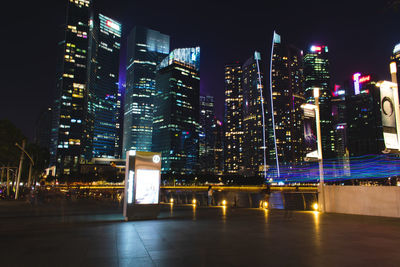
(9, 135)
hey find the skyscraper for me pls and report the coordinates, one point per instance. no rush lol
(288, 96)
(69, 121)
(254, 114)
(317, 75)
(43, 128)
(146, 48)
(104, 47)
(233, 119)
(206, 135)
(364, 117)
(176, 116)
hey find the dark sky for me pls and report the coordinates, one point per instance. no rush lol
(360, 36)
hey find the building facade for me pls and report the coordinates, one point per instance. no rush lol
(254, 114)
(103, 78)
(206, 135)
(287, 97)
(317, 75)
(176, 111)
(69, 124)
(364, 119)
(146, 48)
(233, 119)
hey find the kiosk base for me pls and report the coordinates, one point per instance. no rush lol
(142, 212)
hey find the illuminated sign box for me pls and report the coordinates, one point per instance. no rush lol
(389, 102)
(142, 185)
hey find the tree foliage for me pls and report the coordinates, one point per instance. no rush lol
(9, 135)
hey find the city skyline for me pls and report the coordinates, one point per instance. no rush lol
(220, 46)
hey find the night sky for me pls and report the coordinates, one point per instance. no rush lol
(360, 35)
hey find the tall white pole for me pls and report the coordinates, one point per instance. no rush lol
(319, 143)
(21, 160)
(272, 106)
(2, 173)
(263, 118)
(8, 181)
(30, 175)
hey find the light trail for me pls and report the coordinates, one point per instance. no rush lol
(363, 167)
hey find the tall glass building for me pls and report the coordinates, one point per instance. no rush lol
(254, 143)
(146, 48)
(176, 111)
(233, 119)
(104, 48)
(69, 121)
(206, 135)
(317, 75)
(287, 95)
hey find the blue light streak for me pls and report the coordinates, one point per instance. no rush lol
(363, 167)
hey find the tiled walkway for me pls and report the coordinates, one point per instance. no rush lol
(184, 236)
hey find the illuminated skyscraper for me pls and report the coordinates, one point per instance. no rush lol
(69, 126)
(287, 95)
(206, 135)
(233, 120)
(317, 75)
(364, 121)
(146, 48)
(254, 143)
(176, 116)
(104, 47)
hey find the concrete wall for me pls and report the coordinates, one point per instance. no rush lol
(363, 200)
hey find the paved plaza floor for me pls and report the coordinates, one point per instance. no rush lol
(188, 236)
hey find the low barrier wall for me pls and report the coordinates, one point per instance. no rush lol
(243, 199)
(363, 200)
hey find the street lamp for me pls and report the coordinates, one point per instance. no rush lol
(319, 147)
(23, 152)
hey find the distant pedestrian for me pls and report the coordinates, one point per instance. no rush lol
(209, 195)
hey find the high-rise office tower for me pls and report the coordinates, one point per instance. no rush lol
(146, 48)
(176, 111)
(254, 117)
(104, 47)
(206, 135)
(365, 132)
(339, 120)
(233, 119)
(42, 135)
(69, 134)
(287, 97)
(317, 75)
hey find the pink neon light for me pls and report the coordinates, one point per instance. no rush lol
(364, 79)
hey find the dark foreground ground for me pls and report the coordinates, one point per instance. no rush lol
(94, 234)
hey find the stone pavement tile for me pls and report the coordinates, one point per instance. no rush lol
(100, 262)
(165, 254)
(136, 262)
(132, 252)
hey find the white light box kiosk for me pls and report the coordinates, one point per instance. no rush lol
(142, 185)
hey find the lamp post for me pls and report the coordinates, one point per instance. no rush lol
(23, 152)
(319, 147)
